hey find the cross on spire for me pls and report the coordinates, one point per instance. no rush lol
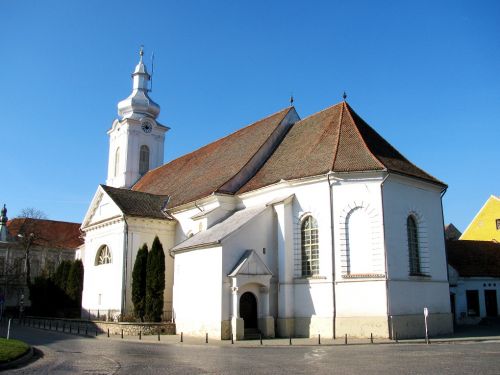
(291, 100)
(344, 96)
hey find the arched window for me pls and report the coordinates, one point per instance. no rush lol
(144, 160)
(103, 256)
(413, 248)
(309, 246)
(359, 242)
(117, 162)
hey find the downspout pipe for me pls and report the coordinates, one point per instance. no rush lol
(387, 299)
(125, 267)
(443, 192)
(330, 190)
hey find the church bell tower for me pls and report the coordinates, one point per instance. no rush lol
(136, 138)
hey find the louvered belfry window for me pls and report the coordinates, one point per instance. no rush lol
(309, 247)
(144, 160)
(413, 247)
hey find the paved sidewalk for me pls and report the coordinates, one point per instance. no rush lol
(462, 334)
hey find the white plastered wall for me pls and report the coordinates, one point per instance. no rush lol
(102, 288)
(197, 291)
(144, 231)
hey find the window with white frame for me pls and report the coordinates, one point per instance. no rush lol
(413, 245)
(103, 256)
(309, 247)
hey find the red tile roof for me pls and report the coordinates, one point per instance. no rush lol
(474, 258)
(202, 172)
(335, 139)
(47, 233)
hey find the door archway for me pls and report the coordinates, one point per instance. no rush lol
(248, 310)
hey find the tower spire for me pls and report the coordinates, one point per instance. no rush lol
(139, 104)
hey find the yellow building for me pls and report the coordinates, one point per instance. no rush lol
(486, 224)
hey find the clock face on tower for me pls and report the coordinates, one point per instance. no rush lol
(147, 127)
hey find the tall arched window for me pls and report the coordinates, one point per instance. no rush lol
(413, 248)
(144, 160)
(359, 242)
(117, 162)
(309, 246)
(103, 256)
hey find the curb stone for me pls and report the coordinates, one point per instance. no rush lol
(25, 358)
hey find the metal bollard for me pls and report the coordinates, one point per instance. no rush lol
(260, 336)
(122, 333)
(108, 332)
(396, 334)
(206, 338)
(290, 343)
(182, 337)
(158, 334)
(345, 339)
(232, 339)
(78, 329)
(86, 330)
(140, 335)
(319, 339)
(96, 331)
(371, 338)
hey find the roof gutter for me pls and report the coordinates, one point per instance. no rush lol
(387, 299)
(330, 191)
(443, 192)
(124, 275)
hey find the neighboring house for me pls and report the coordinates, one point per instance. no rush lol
(451, 232)
(486, 224)
(289, 226)
(47, 243)
(474, 275)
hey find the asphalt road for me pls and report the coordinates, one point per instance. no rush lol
(71, 354)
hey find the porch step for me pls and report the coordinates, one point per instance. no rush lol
(252, 334)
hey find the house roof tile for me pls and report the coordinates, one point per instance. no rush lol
(474, 258)
(202, 172)
(136, 203)
(335, 139)
(47, 233)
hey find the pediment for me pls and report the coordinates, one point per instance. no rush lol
(250, 264)
(101, 209)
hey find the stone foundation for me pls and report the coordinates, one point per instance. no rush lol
(81, 326)
(413, 326)
(362, 326)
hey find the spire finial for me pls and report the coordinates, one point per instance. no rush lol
(291, 100)
(141, 51)
(344, 96)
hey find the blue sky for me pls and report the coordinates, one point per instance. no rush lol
(424, 74)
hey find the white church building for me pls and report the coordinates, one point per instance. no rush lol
(288, 226)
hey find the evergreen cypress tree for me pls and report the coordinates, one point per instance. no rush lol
(139, 282)
(74, 286)
(155, 281)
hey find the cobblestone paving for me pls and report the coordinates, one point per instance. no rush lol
(72, 354)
